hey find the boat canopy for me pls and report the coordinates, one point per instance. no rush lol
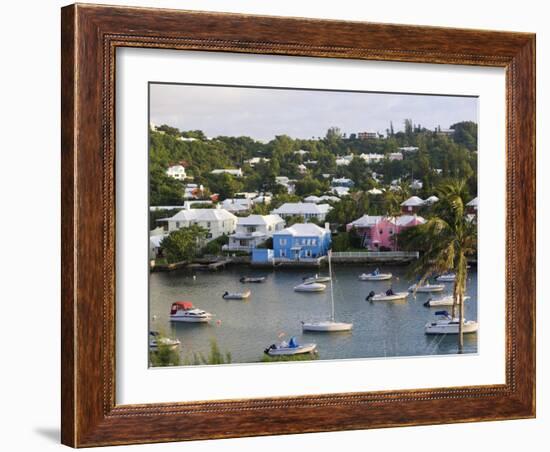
(445, 313)
(182, 305)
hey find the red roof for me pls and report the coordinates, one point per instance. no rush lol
(183, 304)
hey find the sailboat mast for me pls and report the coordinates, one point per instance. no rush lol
(331, 286)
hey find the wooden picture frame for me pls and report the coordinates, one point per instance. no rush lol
(90, 36)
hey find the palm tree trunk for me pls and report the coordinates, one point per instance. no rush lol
(461, 322)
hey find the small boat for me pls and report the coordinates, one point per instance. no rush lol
(447, 325)
(375, 276)
(236, 295)
(446, 277)
(327, 326)
(389, 295)
(155, 339)
(252, 279)
(427, 288)
(443, 301)
(289, 348)
(316, 279)
(310, 287)
(184, 311)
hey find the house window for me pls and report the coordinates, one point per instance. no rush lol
(314, 242)
(208, 224)
(381, 231)
(282, 242)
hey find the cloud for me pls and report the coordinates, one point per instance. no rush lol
(263, 113)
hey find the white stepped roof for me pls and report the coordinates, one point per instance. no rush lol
(259, 219)
(202, 215)
(303, 229)
(301, 208)
(413, 201)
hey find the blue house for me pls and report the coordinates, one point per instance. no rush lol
(301, 241)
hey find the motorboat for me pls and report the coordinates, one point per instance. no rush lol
(310, 287)
(375, 275)
(427, 288)
(326, 326)
(236, 295)
(289, 348)
(252, 279)
(443, 301)
(445, 324)
(156, 340)
(389, 295)
(184, 311)
(446, 277)
(316, 279)
(329, 325)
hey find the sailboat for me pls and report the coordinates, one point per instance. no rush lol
(329, 325)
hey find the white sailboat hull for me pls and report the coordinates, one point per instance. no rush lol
(428, 288)
(395, 297)
(326, 326)
(311, 287)
(450, 327)
(445, 301)
(189, 319)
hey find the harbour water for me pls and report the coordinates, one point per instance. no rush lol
(274, 310)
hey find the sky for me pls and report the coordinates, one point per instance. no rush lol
(263, 113)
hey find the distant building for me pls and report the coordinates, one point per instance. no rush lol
(372, 158)
(306, 210)
(378, 233)
(409, 149)
(237, 205)
(342, 182)
(340, 191)
(302, 169)
(416, 184)
(216, 221)
(187, 139)
(255, 160)
(375, 191)
(254, 230)
(369, 135)
(301, 152)
(285, 182)
(237, 172)
(395, 156)
(193, 191)
(444, 132)
(412, 205)
(345, 160)
(301, 241)
(176, 172)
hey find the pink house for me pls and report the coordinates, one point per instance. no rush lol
(378, 232)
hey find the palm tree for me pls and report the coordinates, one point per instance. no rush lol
(445, 241)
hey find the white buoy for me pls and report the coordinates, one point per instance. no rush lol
(194, 277)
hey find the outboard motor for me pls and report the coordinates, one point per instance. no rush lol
(427, 303)
(370, 295)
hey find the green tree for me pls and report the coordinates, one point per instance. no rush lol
(445, 241)
(183, 244)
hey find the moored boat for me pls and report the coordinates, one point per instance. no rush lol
(448, 325)
(443, 301)
(252, 279)
(389, 295)
(375, 275)
(427, 288)
(316, 279)
(236, 295)
(446, 277)
(310, 287)
(156, 340)
(184, 311)
(289, 348)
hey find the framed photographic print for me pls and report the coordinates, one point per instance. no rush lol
(281, 225)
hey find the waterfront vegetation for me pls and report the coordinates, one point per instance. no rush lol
(277, 359)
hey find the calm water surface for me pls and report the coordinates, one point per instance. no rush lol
(245, 327)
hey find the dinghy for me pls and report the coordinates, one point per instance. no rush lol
(329, 325)
(316, 279)
(446, 277)
(447, 325)
(375, 276)
(252, 279)
(289, 348)
(443, 301)
(389, 295)
(236, 295)
(427, 288)
(310, 287)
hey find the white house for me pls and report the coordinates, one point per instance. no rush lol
(217, 221)
(412, 205)
(237, 172)
(301, 152)
(306, 210)
(302, 169)
(395, 156)
(255, 160)
(176, 172)
(254, 230)
(285, 182)
(370, 158)
(193, 191)
(187, 139)
(345, 160)
(416, 184)
(408, 148)
(340, 191)
(235, 205)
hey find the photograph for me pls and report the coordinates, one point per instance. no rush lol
(303, 224)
